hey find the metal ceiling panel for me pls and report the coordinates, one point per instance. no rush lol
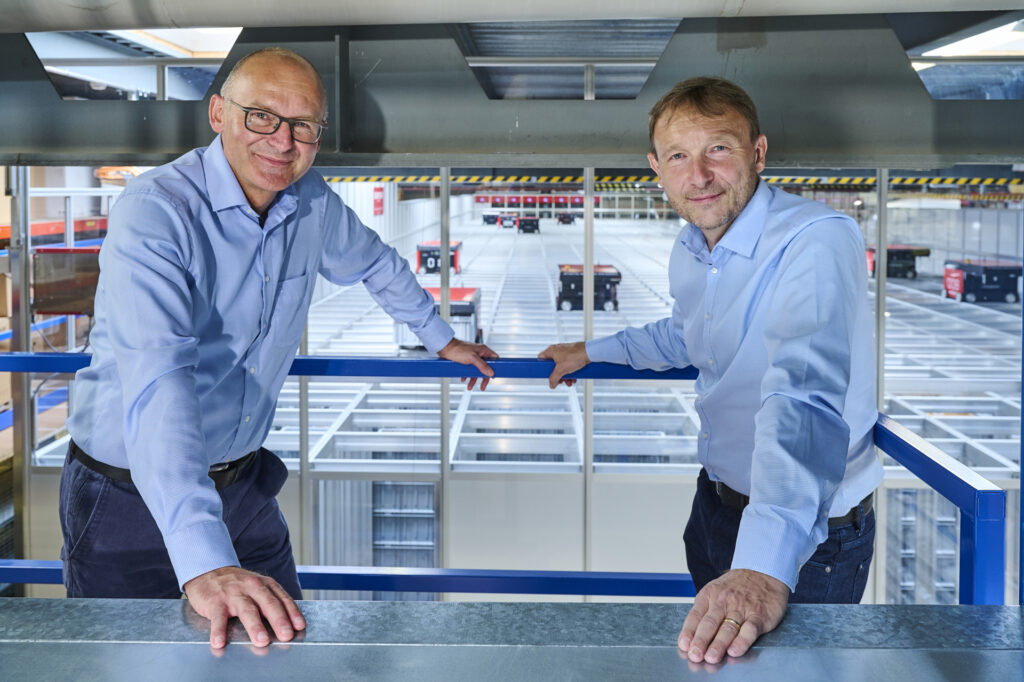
(61, 15)
(832, 92)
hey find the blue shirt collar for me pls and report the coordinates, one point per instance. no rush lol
(221, 183)
(744, 233)
(225, 192)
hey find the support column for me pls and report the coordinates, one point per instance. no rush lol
(444, 454)
(305, 475)
(589, 94)
(21, 383)
(881, 273)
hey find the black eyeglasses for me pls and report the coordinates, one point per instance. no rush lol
(266, 123)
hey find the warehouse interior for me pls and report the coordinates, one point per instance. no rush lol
(519, 136)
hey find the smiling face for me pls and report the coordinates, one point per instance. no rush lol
(266, 164)
(708, 166)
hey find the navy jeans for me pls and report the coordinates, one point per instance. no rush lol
(113, 548)
(836, 573)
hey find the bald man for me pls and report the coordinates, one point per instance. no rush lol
(206, 277)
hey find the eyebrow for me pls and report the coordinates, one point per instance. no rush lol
(311, 119)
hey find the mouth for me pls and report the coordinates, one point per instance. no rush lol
(271, 161)
(704, 199)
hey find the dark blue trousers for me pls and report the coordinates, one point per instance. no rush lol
(113, 548)
(836, 573)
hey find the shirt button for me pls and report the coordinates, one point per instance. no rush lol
(266, 278)
(704, 435)
(707, 316)
(252, 370)
(246, 419)
(711, 362)
(714, 271)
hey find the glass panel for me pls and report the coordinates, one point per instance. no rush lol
(953, 347)
(512, 244)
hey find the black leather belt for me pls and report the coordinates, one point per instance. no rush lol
(223, 474)
(736, 500)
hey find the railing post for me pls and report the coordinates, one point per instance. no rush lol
(983, 551)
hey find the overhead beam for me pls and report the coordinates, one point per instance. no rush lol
(60, 15)
(833, 91)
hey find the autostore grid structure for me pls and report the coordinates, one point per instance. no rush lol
(952, 376)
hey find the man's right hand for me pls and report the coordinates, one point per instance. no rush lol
(568, 357)
(231, 591)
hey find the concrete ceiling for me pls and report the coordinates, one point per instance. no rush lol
(66, 15)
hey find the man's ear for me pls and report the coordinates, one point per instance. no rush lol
(760, 152)
(653, 161)
(217, 113)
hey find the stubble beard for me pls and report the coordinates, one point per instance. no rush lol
(740, 197)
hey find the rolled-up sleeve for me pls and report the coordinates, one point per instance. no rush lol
(144, 260)
(801, 440)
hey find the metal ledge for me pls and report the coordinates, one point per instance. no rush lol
(166, 639)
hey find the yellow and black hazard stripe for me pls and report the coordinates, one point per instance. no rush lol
(627, 182)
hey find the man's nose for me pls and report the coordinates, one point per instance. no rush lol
(282, 137)
(700, 172)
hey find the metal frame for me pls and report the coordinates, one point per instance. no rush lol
(982, 503)
(878, 114)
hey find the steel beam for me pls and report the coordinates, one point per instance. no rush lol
(869, 108)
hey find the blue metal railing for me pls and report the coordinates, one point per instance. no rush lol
(982, 504)
(982, 508)
(484, 581)
(514, 368)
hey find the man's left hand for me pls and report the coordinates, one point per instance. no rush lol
(730, 613)
(470, 354)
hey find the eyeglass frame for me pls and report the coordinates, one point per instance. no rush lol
(280, 119)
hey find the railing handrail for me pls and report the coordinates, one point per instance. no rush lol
(952, 479)
(383, 579)
(370, 366)
(982, 504)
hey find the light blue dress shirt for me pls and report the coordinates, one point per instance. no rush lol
(199, 313)
(776, 319)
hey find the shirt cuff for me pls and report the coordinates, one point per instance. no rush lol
(436, 334)
(768, 547)
(607, 349)
(199, 549)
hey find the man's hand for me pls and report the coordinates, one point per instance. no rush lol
(231, 591)
(730, 613)
(568, 357)
(470, 354)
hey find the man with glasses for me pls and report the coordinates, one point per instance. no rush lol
(206, 277)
